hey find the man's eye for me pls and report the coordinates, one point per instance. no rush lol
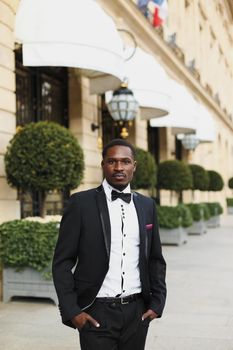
(126, 161)
(110, 162)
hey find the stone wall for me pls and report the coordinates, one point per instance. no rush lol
(83, 111)
(9, 206)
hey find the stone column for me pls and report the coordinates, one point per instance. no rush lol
(9, 205)
(83, 111)
(139, 136)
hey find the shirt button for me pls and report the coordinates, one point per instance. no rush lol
(124, 235)
(124, 254)
(123, 273)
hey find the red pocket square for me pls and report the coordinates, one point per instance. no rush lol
(149, 226)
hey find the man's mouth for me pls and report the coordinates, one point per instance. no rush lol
(119, 176)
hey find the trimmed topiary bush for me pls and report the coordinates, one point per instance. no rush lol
(44, 156)
(199, 211)
(215, 181)
(28, 244)
(173, 217)
(206, 211)
(145, 174)
(215, 208)
(167, 217)
(200, 177)
(230, 183)
(174, 175)
(185, 214)
(229, 202)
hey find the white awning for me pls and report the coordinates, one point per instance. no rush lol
(149, 84)
(70, 33)
(206, 128)
(183, 111)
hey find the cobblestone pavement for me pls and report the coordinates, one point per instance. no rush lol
(198, 313)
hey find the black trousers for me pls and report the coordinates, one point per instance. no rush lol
(121, 327)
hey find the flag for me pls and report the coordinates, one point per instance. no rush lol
(142, 3)
(159, 10)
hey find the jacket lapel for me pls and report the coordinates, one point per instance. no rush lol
(104, 217)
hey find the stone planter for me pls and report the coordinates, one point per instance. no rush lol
(27, 283)
(197, 228)
(214, 221)
(176, 236)
(230, 210)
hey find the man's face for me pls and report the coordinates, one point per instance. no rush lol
(118, 166)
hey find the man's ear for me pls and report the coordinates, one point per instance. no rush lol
(135, 165)
(102, 163)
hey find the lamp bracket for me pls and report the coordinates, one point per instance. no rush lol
(94, 127)
(131, 38)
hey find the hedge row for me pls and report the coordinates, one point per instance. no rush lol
(184, 214)
(176, 175)
(28, 244)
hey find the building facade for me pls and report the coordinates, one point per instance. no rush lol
(194, 47)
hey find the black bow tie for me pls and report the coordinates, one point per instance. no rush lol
(124, 196)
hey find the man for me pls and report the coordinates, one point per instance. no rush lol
(109, 236)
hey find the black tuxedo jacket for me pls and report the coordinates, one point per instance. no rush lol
(84, 242)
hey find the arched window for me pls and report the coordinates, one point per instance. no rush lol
(41, 93)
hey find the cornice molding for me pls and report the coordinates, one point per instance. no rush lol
(145, 33)
(229, 5)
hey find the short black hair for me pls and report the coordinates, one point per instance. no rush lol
(118, 142)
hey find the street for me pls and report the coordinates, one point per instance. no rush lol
(198, 313)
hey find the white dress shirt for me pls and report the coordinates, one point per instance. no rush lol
(122, 278)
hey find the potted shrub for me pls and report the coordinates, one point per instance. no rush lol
(215, 181)
(44, 156)
(26, 251)
(172, 221)
(174, 175)
(200, 178)
(145, 174)
(215, 184)
(230, 183)
(229, 206)
(186, 216)
(200, 214)
(230, 200)
(216, 210)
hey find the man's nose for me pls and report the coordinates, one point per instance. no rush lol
(118, 165)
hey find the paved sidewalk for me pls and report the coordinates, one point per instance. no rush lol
(198, 314)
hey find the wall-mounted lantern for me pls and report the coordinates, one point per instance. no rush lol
(123, 108)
